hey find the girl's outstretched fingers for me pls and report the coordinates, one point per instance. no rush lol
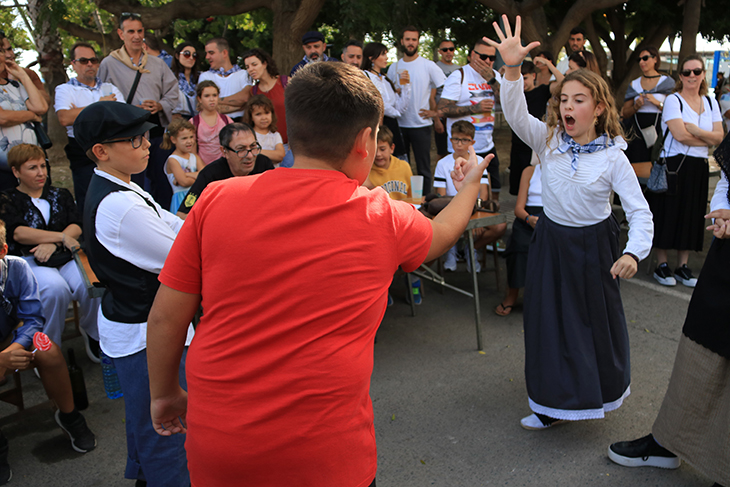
(510, 47)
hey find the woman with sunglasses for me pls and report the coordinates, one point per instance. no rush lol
(643, 105)
(395, 101)
(692, 122)
(20, 104)
(185, 67)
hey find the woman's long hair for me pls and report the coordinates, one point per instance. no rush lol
(178, 68)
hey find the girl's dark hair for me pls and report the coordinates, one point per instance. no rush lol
(371, 51)
(178, 68)
(259, 101)
(264, 57)
(587, 60)
(206, 84)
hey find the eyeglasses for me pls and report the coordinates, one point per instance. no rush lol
(696, 71)
(254, 151)
(189, 54)
(136, 140)
(645, 58)
(486, 56)
(84, 60)
(445, 49)
(461, 141)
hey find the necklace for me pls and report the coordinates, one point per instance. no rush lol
(652, 77)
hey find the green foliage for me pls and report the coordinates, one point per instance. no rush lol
(14, 30)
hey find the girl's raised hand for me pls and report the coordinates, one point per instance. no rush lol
(511, 48)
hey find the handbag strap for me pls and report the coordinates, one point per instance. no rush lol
(134, 88)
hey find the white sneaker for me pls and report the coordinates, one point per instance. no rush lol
(476, 259)
(450, 260)
(533, 423)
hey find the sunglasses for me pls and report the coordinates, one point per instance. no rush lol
(696, 71)
(129, 15)
(84, 60)
(445, 49)
(484, 57)
(188, 54)
(644, 58)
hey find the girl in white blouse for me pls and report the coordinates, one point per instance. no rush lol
(395, 99)
(576, 342)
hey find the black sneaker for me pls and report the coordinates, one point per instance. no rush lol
(82, 439)
(93, 351)
(664, 275)
(684, 275)
(644, 452)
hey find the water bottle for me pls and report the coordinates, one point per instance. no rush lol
(111, 380)
(78, 386)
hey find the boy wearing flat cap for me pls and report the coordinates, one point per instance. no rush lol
(128, 238)
(279, 371)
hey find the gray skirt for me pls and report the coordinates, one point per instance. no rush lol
(576, 341)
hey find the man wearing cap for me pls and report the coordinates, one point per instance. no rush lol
(128, 238)
(71, 97)
(314, 46)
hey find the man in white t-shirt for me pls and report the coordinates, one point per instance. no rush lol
(71, 97)
(469, 94)
(447, 49)
(577, 42)
(235, 83)
(420, 115)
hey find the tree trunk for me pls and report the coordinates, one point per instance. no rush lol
(292, 18)
(50, 58)
(690, 27)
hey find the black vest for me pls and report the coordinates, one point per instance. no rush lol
(129, 290)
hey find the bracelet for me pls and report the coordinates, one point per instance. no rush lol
(63, 238)
(527, 218)
(514, 65)
(632, 256)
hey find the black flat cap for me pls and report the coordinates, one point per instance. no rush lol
(312, 36)
(109, 120)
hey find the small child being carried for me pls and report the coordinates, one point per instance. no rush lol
(183, 164)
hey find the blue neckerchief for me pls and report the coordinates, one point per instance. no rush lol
(185, 86)
(76, 82)
(600, 143)
(225, 73)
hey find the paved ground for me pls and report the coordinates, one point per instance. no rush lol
(445, 414)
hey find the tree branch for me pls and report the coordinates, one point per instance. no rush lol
(575, 16)
(88, 34)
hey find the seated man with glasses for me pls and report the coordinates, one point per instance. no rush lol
(128, 236)
(462, 137)
(241, 157)
(469, 94)
(71, 97)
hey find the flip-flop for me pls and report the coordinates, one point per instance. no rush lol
(505, 310)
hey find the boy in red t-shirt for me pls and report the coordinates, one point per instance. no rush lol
(279, 371)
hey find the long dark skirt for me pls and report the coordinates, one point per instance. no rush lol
(576, 342)
(679, 218)
(637, 151)
(517, 247)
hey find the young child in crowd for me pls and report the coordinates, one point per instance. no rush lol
(462, 138)
(183, 165)
(576, 341)
(21, 317)
(259, 114)
(297, 358)
(208, 122)
(128, 236)
(389, 172)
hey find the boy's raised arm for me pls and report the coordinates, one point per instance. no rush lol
(451, 222)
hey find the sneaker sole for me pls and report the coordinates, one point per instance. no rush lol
(688, 282)
(73, 445)
(533, 428)
(659, 462)
(665, 281)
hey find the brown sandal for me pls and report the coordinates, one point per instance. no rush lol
(505, 310)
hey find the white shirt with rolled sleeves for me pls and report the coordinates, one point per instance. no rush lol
(719, 197)
(69, 96)
(672, 111)
(393, 104)
(467, 90)
(584, 198)
(425, 76)
(229, 85)
(131, 230)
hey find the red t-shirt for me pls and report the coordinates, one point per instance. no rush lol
(276, 95)
(293, 267)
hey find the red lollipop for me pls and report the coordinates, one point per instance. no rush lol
(41, 341)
